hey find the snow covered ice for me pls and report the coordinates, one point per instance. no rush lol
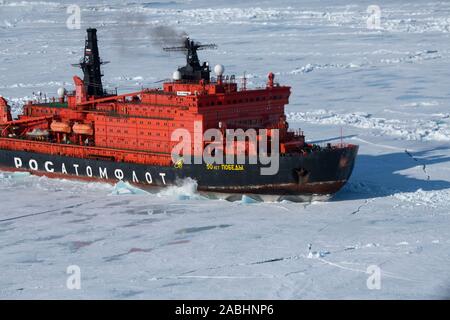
(388, 90)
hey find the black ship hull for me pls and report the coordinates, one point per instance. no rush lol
(322, 172)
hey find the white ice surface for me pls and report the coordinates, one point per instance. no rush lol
(388, 90)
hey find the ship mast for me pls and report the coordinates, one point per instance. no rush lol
(90, 64)
(193, 69)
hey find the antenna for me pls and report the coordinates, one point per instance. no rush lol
(191, 45)
(193, 69)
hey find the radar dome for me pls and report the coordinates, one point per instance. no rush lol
(61, 92)
(219, 70)
(176, 75)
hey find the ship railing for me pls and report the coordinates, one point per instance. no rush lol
(110, 92)
(228, 79)
(330, 145)
(158, 91)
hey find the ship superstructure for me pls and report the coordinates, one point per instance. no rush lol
(93, 133)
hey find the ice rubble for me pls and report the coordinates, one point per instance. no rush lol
(416, 129)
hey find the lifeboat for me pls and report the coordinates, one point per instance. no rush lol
(58, 126)
(83, 128)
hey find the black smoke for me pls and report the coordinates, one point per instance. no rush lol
(167, 36)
